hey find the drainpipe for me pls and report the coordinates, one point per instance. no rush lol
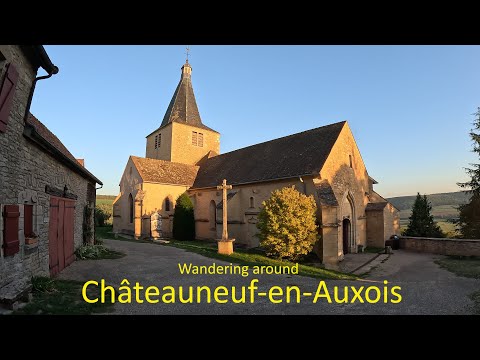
(46, 64)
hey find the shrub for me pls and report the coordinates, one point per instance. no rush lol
(287, 224)
(183, 219)
(103, 214)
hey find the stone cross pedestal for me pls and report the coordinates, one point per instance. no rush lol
(225, 245)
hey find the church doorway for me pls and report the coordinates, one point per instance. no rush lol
(347, 230)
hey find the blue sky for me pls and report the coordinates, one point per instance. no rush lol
(410, 107)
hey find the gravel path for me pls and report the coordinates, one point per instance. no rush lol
(425, 288)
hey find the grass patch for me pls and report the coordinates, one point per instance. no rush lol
(97, 252)
(466, 266)
(245, 257)
(476, 301)
(104, 232)
(63, 297)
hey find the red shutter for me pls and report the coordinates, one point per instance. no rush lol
(11, 214)
(7, 90)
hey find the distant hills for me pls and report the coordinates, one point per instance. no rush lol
(106, 197)
(452, 198)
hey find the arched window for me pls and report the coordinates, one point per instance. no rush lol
(130, 207)
(213, 215)
(252, 202)
(167, 204)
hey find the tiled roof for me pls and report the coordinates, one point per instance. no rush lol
(295, 155)
(166, 172)
(376, 206)
(377, 202)
(54, 142)
(43, 131)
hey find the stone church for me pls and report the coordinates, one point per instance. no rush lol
(183, 155)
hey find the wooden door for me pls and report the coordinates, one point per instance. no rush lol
(61, 249)
(346, 236)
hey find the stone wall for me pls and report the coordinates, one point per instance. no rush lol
(391, 221)
(164, 151)
(25, 170)
(182, 149)
(347, 175)
(375, 229)
(460, 247)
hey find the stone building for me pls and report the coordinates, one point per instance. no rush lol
(184, 155)
(47, 197)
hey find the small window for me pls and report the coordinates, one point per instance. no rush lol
(194, 138)
(156, 141)
(200, 139)
(350, 160)
(159, 140)
(28, 221)
(167, 204)
(252, 202)
(130, 171)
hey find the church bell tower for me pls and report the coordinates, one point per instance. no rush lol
(182, 137)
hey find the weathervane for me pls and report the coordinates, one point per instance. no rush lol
(188, 52)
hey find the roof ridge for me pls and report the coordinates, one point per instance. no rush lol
(283, 137)
(161, 160)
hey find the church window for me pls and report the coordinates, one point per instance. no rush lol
(167, 204)
(194, 138)
(156, 141)
(350, 159)
(159, 139)
(197, 139)
(130, 171)
(252, 202)
(130, 208)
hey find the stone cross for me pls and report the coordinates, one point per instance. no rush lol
(224, 187)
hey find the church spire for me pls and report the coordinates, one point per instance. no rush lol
(183, 106)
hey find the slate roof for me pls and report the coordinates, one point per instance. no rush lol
(167, 172)
(183, 106)
(295, 155)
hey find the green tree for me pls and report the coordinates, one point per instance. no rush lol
(286, 224)
(183, 219)
(469, 219)
(421, 220)
(103, 214)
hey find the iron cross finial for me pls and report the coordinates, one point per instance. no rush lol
(188, 52)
